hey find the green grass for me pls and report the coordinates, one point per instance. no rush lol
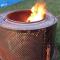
(23, 5)
(52, 5)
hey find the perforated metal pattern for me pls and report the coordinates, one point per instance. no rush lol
(26, 45)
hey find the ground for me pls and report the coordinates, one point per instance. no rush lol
(52, 5)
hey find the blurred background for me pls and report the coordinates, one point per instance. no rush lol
(52, 5)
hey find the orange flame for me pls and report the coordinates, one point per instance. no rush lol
(38, 12)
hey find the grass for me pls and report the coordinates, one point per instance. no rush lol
(52, 5)
(23, 5)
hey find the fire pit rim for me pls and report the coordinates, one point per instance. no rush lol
(30, 26)
(11, 20)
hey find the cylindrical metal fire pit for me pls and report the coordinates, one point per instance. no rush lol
(20, 40)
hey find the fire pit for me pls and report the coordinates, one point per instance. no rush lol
(23, 40)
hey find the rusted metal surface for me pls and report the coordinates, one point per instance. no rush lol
(28, 44)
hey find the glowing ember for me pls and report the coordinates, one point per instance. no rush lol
(38, 12)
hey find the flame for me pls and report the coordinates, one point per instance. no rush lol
(38, 12)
